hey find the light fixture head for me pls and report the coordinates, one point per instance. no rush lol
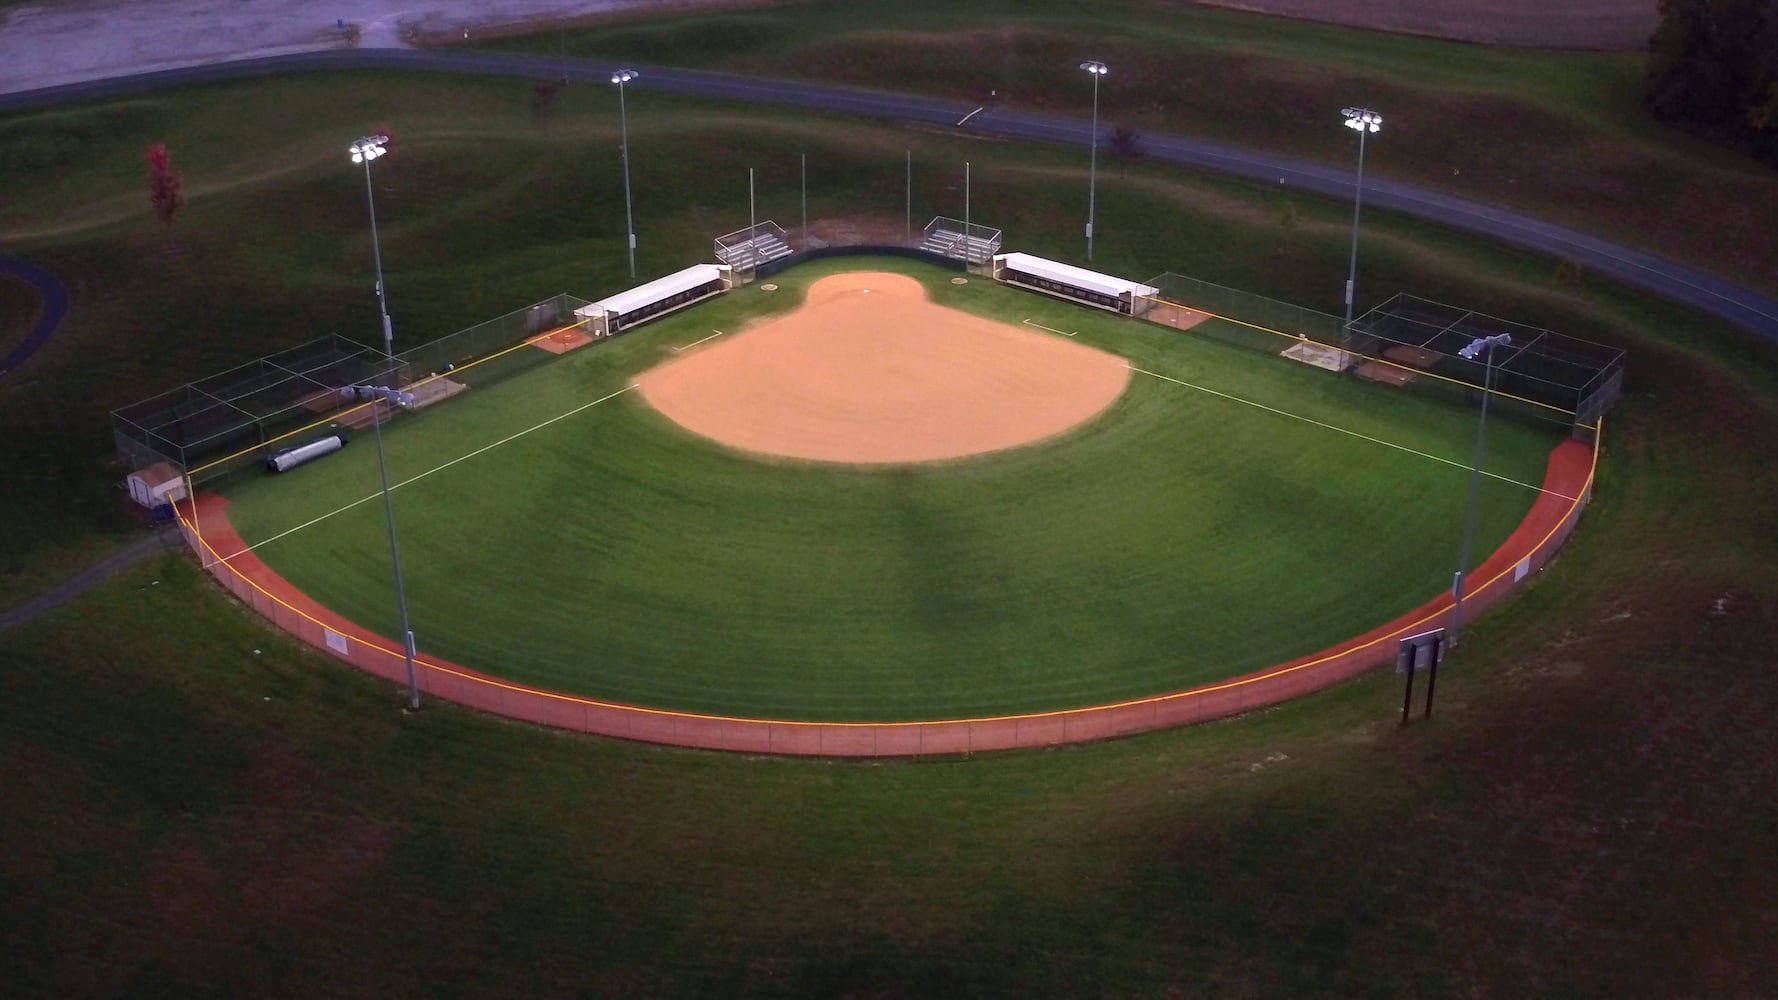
(1480, 344)
(1362, 120)
(369, 148)
(1094, 67)
(624, 76)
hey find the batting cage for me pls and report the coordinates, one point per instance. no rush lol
(1413, 344)
(232, 420)
(1428, 346)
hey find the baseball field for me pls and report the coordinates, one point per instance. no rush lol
(870, 493)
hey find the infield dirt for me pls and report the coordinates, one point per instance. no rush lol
(869, 371)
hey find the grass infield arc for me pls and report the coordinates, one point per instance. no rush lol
(1567, 486)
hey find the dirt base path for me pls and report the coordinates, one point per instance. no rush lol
(869, 371)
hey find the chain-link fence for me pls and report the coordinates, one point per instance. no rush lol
(228, 421)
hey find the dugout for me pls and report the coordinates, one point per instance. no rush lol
(1076, 284)
(619, 312)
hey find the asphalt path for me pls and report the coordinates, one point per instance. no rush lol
(54, 297)
(1738, 306)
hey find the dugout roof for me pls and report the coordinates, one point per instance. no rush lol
(660, 288)
(1079, 277)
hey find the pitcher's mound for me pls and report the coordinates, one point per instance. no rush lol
(869, 371)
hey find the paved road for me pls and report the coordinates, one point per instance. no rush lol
(1725, 300)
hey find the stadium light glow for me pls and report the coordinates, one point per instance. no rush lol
(369, 148)
(1097, 69)
(1484, 347)
(1361, 120)
(620, 78)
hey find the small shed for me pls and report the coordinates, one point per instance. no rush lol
(156, 485)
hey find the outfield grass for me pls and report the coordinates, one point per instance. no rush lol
(1179, 538)
(1590, 812)
(1563, 135)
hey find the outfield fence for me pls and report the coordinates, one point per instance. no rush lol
(1566, 490)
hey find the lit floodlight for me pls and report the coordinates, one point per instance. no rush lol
(623, 76)
(1094, 67)
(369, 148)
(1362, 120)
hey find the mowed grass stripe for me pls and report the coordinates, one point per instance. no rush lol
(1180, 538)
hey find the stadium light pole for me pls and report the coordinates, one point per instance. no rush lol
(363, 151)
(620, 78)
(1097, 69)
(1364, 122)
(1485, 347)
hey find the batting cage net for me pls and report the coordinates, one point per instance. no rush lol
(231, 420)
(1410, 341)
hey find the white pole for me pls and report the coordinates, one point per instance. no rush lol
(1357, 205)
(1093, 169)
(629, 213)
(805, 200)
(1475, 482)
(966, 215)
(376, 252)
(752, 225)
(413, 684)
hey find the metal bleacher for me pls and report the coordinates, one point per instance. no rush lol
(973, 244)
(746, 249)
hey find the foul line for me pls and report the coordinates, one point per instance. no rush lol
(1051, 329)
(1352, 433)
(428, 472)
(695, 343)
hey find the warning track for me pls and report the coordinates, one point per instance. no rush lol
(1566, 488)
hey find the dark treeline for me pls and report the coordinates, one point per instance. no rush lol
(1713, 67)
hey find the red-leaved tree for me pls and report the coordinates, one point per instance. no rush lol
(166, 187)
(388, 136)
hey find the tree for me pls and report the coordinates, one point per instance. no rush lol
(387, 134)
(1124, 145)
(1290, 219)
(1713, 67)
(166, 187)
(543, 100)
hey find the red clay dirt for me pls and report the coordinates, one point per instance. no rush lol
(869, 371)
